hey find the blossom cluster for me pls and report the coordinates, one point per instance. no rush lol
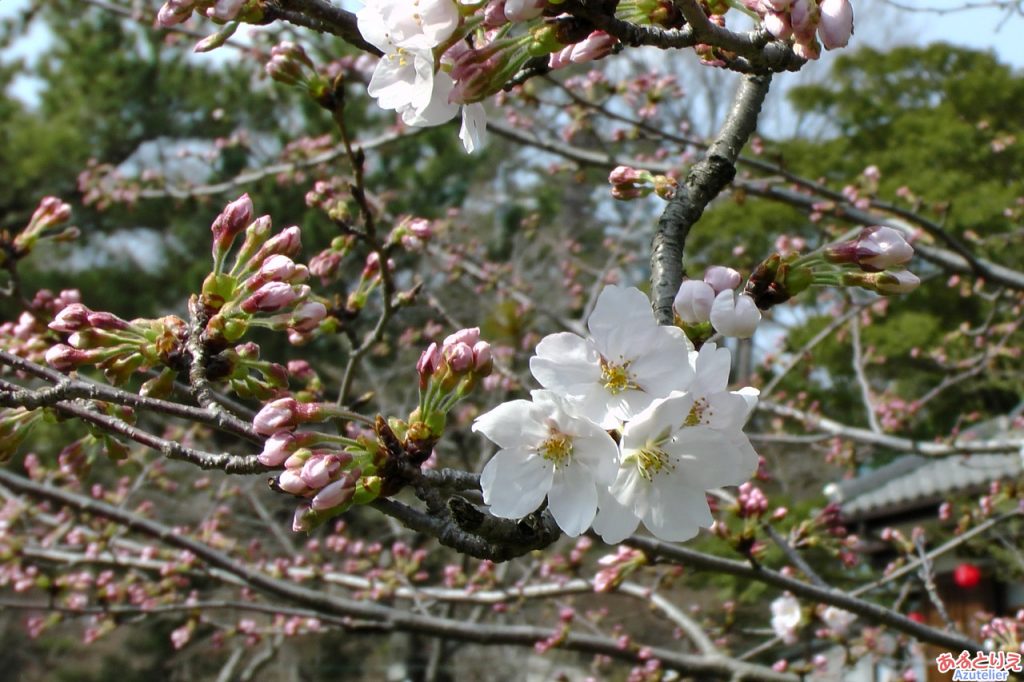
(632, 425)
(331, 472)
(807, 21)
(264, 287)
(429, 71)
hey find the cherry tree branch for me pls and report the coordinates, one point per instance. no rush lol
(705, 180)
(663, 551)
(321, 16)
(928, 448)
(381, 618)
(66, 388)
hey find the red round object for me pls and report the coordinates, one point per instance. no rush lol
(916, 616)
(966, 576)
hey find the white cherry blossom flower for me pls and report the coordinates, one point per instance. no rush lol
(837, 620)
(627, 362)
(413, 21)
(675, 450)
(786, 617)
(545, 451)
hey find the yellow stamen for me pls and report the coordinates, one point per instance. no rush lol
(616, 378)
(557, 449)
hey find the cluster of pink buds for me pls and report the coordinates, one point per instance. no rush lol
(616, 567)
(447, 373)
(116, 346)
(49, 221)
(174, 12)
(264, 287)
(631, 183)
(412, 233)
(331, 471)
(873, 260)
(716, 304)
(807, 21)
(28, 336)
(751, 501)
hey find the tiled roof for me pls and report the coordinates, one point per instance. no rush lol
(913, 481)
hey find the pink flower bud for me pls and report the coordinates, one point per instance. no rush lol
(836, 23)
(291, 482)
(107, 321)
(284, 414)
(595, 46)
(325, 264)
(230, 223)
(778, 25)
(467, 336)
(896, 282)
(65, 358)
(623, 175)
(317, 470)
(72, 318)
(429, 361)
(277, 448)
(524, 10)
(302, 521)
(271, 297)
(693, 301)
(174, 12)
(420, 228)
(337, 493)
(459, 357)
(883, 247)
(722, 278)
(308, 316)
(482, 360)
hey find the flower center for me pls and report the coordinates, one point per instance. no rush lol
(616, 377)
(557, 449)
(700, 413)
(651, 460)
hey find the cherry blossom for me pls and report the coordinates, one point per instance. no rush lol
(627, 362)
(786, 617)
(545, 451)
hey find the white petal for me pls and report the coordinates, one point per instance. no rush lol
(515, 482)
(664, 366)
(663, 418)
(621, 316)
(726, 411)
(573, 499)
(614, 522)
(599, 454)
(712, 367)
(565, 361)
(749, 394)
(631, 490)
(515, 424)
(676, 514)
(438, 110)
(707, 459)
(473, 132)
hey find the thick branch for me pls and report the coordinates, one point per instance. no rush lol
(321, 16)
(703, 183)
(872, 612)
